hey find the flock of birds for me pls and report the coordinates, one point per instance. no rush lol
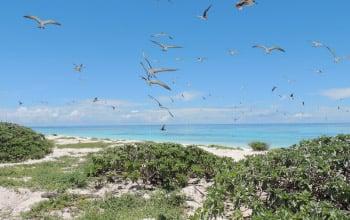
(151, 76)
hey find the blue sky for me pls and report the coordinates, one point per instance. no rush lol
(110, 37)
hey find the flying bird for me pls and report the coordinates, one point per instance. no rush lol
(336, 58)
(201, 59)
(151, 82)
(153, 71)
(114, 107)
(292, 96)
(163, 128)
(95, 100)
(204, 16)
(274, 88)
(42, 23)
(232, 52)
(317, 44)
(161, 106)
(243, 3)
(269, 50)
(78, 68)
(165, 47)
(20, 103)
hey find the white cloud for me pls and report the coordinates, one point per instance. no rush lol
(87, 113)
(337, 93)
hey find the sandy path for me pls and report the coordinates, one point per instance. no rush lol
(13, 202)
(234, 154)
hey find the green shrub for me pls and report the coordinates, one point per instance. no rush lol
(310, 180)
(167, 165)
(18, 143)
(259, 146)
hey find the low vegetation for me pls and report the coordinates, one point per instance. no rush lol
(259, 146)
(19, 143)
(54, 175)
(224, 147)
(166, 165)
(160, 205)
(85, 145)
(310, 180)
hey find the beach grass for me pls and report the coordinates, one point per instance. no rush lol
(216, 146)
(59, 175)
(159, 205)
(99, 144)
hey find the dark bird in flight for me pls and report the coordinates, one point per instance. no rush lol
(42, 23)
(20, 103)
(163, 128)
(243, 3)
(274, 88)
(95, 100)
(204, 16)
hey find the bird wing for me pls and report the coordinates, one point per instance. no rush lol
(277, 48)
(156, 100)
(167, 109)
(173, 46)
(161, 70)
(331, 51)
(35, 18)
(205, 13)
(148, 62)
(160, 83)
(157, 43)
(144, 67)
(260, 46)
(52, 22)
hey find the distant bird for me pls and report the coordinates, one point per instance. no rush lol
(319, 71)
(162, 34)
(163, 128)
(165, 47)
(336, 58)
(274, 88)
(303, 103)
(20, 103)
(78, 68)
(95, 100)
(268, 50)
(204, 16)
(161, 106)
(151, 82)
(153, 71)
(114, 107)
(42, 23)
(292, 96)
(316, 44)
(232, 52)
(201, 59)
(243, 3)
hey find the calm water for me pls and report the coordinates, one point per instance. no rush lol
(277, 135)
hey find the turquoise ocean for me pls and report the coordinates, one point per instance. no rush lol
(277, 135)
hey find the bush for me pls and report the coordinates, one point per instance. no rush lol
(310, 180)
(166, 165)
(18, 143)
(259, 146)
